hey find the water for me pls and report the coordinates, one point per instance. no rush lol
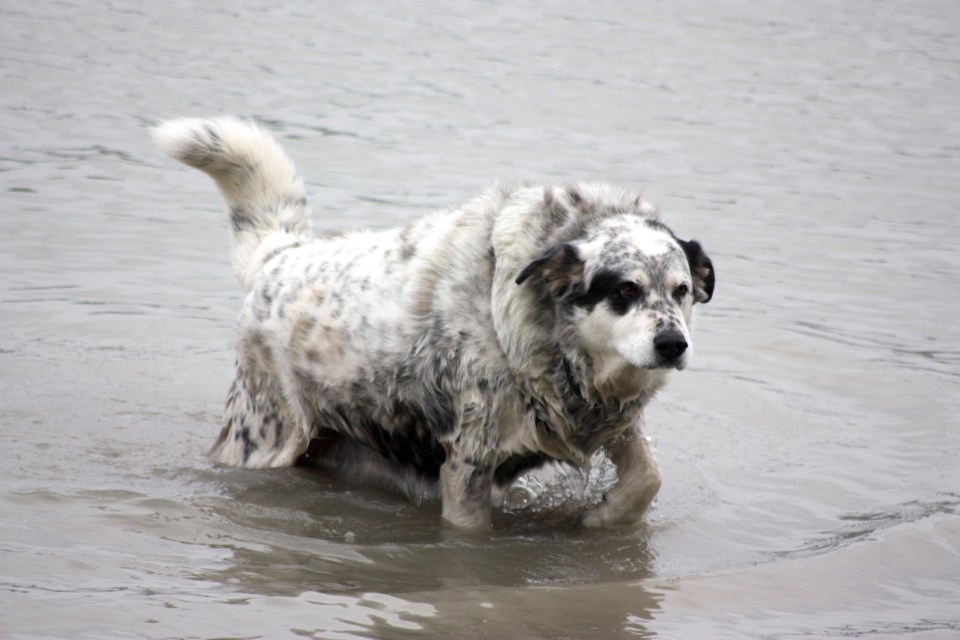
(811, 454)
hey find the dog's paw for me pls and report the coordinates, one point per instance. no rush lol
(602, 518)
(604, 515)
(621, 508)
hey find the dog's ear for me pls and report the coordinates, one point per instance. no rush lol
(560, 268)
(701, 268)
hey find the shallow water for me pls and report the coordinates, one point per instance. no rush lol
(811, 453)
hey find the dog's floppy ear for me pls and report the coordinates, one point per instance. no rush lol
(701, 268)
(560, 267)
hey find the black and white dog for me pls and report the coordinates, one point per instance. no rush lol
(532, 324)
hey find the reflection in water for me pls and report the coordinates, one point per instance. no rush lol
(303, 531)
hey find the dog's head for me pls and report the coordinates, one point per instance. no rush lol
(624, 291)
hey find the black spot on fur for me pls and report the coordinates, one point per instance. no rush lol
(273, 254)
(241, 218)
(249, 446)
(205, 148)
(408, 249)
(266, 295)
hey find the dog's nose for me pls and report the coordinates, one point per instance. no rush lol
(670, 345)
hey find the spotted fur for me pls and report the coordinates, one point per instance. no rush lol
(529, 325)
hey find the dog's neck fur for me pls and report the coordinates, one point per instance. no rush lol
(589, 412)
(614, 382)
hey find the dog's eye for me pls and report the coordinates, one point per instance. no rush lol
(681, 292)
(629, 291)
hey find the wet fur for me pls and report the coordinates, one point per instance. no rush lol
(459, 351)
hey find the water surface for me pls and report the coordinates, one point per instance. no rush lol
(811, 453)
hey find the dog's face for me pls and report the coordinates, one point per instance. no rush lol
(627, 289)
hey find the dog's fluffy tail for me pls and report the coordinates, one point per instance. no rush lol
(264, 194)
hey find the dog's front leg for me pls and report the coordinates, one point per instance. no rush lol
(466, 477)
(465, 485)
(638, 481)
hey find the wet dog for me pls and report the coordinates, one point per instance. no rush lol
(532, 324)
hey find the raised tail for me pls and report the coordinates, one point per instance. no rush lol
(264, 193)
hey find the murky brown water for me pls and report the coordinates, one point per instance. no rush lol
(811, 454)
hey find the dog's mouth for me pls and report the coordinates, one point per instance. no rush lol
(676, 363)
(660, 364)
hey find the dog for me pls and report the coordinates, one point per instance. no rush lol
(448, 357)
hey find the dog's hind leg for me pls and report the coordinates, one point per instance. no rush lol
(261, 429)
(638, 481)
